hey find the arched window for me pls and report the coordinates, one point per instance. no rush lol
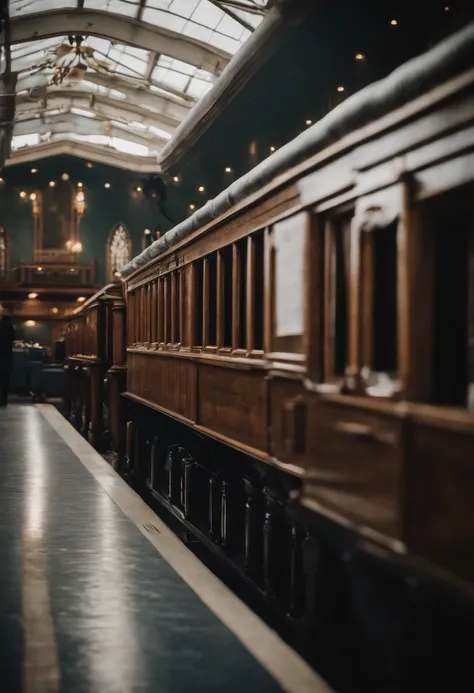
(3, 254)
(119, 251)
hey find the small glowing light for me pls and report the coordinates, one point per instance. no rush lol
(309, 122)
(192, 207)
(34, 170)
(65, 176)
(30, 323)
(89, 165)
(23, 194)
(79, 185)
(272, 148)
(147, 232)
(55, 310)
(228, 169)
(52, 183)
(33, 295)
(394, 22)
(117, 274)
(1, 180)
(360, 56)
(176, 179)
(340, 88)
(33, 196)
(107, 185)
(80, 197)
(446, 9)
(139, 189)
(81, 299)
(40, 269)
(201, 188)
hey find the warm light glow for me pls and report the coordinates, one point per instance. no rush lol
(1, 180)
(360, 56)
(89, 165)
(52, 183)
(107, 185)
(23, 194)
(272, 149)
(32, 295)
(55, 310)
(81, 299)
(228, 169)
(30, 323)
(33, 196)
(176, 179)
(139, 189)
(40, 269)
(309, 122)
(79, 185)
(34, 170)
(446, 9)
(65, 176)
(80, 197)
(192, 207)
(201, 188)
(340, 88)
(147, 232)
(394, 22)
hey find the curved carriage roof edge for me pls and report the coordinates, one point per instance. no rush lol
(446, 60)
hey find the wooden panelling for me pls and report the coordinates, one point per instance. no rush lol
(167, 382)
(439, 525)
(234, 404)
(288, 414)
(356, 465)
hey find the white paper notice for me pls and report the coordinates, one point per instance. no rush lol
(289, 240)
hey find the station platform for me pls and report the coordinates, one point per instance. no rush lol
(98, 595)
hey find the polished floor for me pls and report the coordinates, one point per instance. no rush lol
(97, 595)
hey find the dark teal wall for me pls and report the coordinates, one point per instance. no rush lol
(105, 208)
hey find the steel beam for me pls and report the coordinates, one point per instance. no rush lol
(67, 123)
(90, 152)
(103, 106)
(168, 107)
(120, 29)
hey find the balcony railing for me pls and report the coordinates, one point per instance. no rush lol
(49, 274)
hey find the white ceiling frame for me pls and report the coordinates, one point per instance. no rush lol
(67, 123)
(90, 152)
(119, 29)
(161, 104)
(101, 105)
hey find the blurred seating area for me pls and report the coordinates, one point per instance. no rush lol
(36, 372)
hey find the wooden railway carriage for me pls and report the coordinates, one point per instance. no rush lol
(95, 343)
(301, 371)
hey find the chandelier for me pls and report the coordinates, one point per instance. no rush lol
(70, 61)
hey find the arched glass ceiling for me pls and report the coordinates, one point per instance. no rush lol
(153, 60)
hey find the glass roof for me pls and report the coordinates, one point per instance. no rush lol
(167, 85)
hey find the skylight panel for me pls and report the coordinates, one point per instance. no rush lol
(19, 141)
(22, 7)
(184, 8)
(197, 88)
(207, 14)
(164, 20)
(125, 8)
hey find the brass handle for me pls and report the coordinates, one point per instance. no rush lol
(357, 430)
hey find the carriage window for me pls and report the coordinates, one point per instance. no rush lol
(384, 299)
(336, 272)
(211, 269)
(258, 290)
